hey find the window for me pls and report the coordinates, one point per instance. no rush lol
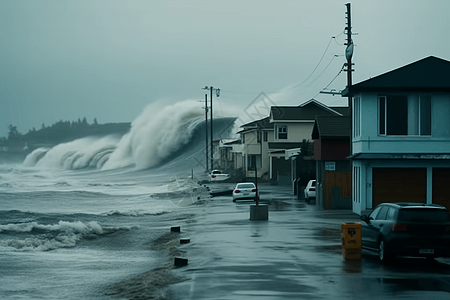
(282, 132)
(356, 183)
(383, 213)
(253, 162)
(265, 134)
(356, 117)
(423, 215)
(373, 214)
(391, 214)
(404, 115)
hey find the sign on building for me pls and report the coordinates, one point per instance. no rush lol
(330, 166)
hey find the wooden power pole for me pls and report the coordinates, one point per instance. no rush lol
(349, 54)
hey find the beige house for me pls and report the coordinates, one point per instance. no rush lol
(266, 144)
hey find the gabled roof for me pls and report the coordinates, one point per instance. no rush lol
(430, 74)
(331, 127)
(343, 110)
(260, 124)
(306, 111)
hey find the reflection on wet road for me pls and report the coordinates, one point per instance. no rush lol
(296, 254)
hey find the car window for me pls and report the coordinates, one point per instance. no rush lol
(246, 186)
(383, 213)
(391, 214)
(423, 215)
(374, 213)
(313, 183)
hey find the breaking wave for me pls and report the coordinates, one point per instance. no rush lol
(54, 236)
(155, 135)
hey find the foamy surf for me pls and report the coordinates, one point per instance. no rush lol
(155, 135)
(54, 236)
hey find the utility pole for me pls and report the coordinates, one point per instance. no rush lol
(211, 89)
(212, 149)
(206, 130)
(349, 54)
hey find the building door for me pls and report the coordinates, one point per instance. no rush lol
(441, 181)
(399, 185)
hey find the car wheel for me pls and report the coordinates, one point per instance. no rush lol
(384, 255)
(306, 199)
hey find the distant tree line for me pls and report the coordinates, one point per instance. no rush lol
(59, 132)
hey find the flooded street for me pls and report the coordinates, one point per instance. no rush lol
(296, 254)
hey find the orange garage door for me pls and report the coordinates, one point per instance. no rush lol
(399, 185)
(441, 183)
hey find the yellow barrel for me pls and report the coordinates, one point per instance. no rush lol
(351, 241)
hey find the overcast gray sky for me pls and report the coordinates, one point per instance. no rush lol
(64, 60)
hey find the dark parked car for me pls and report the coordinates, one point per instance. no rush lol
(407, 229)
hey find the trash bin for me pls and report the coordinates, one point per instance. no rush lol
(351, 241)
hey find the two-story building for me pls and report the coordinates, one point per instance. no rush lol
(255, 137)
(292, 128)
(401, 136)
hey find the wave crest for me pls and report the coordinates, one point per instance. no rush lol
(154, 136)
(54, 236)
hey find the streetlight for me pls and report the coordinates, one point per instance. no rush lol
(211, 89)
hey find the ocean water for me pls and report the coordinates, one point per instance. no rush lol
(79, 218)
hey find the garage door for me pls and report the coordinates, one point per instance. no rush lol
(399, 185)
(441, 182)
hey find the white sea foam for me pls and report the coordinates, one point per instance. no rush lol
(75, 227)
(68, 233)
(78, 154)
(156, 134)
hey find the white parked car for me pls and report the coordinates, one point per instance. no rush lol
(217, 175)
(310, 190)
(244, 190)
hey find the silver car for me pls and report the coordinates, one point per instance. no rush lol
(244, 190)
(217, 175)
(310, 190)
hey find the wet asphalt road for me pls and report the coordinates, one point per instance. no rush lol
(296, 254)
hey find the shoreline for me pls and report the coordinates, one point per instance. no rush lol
(155, 284)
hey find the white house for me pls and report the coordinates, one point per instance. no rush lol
(255, 137)
(401, 136)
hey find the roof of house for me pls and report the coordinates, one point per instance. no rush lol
(331, 127)
(343, 110)
(260, 124)
(430, 74)
(306, 111)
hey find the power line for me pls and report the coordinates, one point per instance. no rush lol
(309, 76)
(334, 56)
(334, 77)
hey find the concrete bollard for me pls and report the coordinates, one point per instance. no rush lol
(180, 262)
(259, 212)
(185, 241)
(175, 229)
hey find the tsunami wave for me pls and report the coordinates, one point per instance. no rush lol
(156, 135)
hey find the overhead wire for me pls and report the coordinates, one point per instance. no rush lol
(309, 76)
(334, 78)
(313, 71)
(334, 56)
